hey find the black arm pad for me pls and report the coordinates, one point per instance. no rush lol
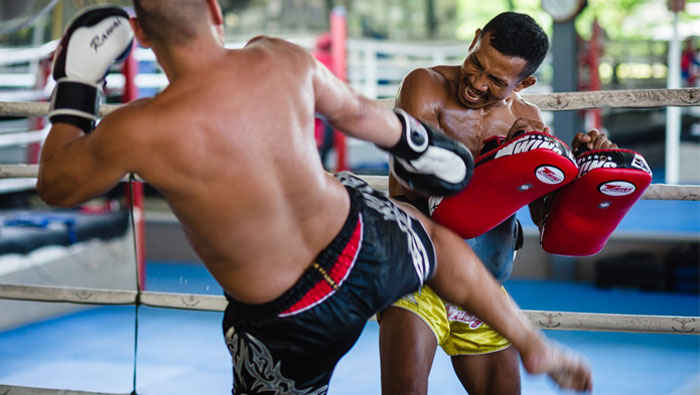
(415, 137)
(428, 161)
(76, 103)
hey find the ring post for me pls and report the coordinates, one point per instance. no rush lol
(339, 33)
(673, 114)
(129, 70)
(594, 59)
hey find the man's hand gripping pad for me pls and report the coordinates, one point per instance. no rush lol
(583, 215)
(506, 178)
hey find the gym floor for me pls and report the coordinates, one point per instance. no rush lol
(182, 352)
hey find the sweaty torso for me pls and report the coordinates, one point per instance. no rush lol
(233, 153)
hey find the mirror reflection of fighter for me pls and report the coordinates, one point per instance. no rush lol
(517, 163)
(305, 257)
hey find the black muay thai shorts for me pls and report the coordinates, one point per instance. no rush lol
(292, 344)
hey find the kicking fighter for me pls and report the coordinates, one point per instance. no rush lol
(305, 258)
(478, 103)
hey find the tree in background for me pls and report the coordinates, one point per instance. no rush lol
(621, 19)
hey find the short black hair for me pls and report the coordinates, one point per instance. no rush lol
(515, 34)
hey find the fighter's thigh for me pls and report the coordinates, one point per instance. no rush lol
(456, 261)
(493, 373)
(415, 213)
(443, 239)
(407, 348)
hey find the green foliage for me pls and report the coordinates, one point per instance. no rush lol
(472, 17)
(624, 19)
(621, 20)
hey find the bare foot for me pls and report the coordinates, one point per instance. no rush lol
(568, 369)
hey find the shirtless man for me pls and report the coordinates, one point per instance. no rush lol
(471, 102)
(305, 258)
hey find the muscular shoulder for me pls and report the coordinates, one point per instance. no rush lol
(123, 129)
(278, 48)
(424, 80)
(128, 112)
(267, 41)
(424, 90)
(282, 56)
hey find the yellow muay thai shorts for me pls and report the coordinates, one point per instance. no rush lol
(457, 331)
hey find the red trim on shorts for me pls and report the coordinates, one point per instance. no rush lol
(338, 272)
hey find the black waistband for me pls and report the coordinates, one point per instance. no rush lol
(325, 259)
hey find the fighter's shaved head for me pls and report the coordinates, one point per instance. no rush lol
(173, 22)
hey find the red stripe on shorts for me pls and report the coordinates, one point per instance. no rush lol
(337, 272)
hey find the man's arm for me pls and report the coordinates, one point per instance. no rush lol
(418, 95)
(421, 157)
(351, 112)
(415, 98)
(75, 167)
(77, 162)
(592, 140)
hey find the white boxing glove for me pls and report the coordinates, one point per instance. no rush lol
(95, 39)
(427, 160)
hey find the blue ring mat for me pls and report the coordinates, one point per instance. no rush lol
(182, 352)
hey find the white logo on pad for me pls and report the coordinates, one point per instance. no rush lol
(549, 174)
(617, 188)
(528, 143)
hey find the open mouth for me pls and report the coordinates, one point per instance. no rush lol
(471, 95)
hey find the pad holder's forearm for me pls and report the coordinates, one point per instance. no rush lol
(76, 103)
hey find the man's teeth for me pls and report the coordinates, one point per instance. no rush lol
(471, 96)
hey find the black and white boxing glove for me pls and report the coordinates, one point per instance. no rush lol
(94, 40)
(428, 161)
